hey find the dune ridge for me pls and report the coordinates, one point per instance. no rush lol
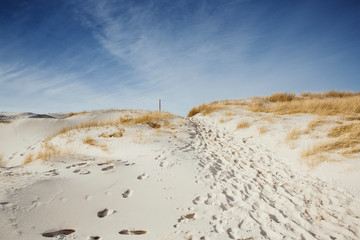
(224, 173)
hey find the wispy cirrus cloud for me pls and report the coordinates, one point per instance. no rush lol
(170, 55)
(80, 55)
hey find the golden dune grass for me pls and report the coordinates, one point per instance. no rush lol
(281, 97)
(329, 94)
(206, 109)
(153, 119)
(293, 134)
(94, 143)
(47, 151)
(330, 103)
(29, 158)
(224, 120)
(322, 103)
(352, 118)
(74, 114)
(229, 114)
(243, 124)
(263, 129)
(313, 124)
(346, 139)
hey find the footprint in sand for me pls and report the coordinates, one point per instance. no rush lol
(132, 232)
(53, 172)
(58, 233)
(104, 163)
(142, 176)
(107, 168)
(81, 171)
(127, 193)
(129, 164)
(95, 238)
(186, 218)
(105, 212)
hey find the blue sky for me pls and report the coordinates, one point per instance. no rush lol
(61, 56)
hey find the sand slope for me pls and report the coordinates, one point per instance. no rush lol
(196, 181)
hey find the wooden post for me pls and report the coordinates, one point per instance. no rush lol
(159, 105)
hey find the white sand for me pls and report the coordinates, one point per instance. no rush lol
(201, 179)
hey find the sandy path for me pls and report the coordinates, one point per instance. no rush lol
(253, 195)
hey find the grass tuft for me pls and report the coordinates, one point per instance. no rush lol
(323, 106)
(293, 134)
(74, 114)
(152, 119)
(313, 124)
(263, 129)
(345, 138)
(243, 124)
(47, 151)
(29, 158)
(206, 109)
(94, 143)
(281, 97)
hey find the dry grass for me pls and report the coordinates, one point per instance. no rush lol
(293, 134)
(268, 118)
(346, 141)
(47, 151)
(89, 141)
(2, 164)
(206, 109)
(317, 122)
(243, 124)
(224, 120)
(341, 130)
(327, 106)
(94, 143)
(29, 158)
(74, 114)
(347, 137)
(352, 118)
(329, 94)
(153, 119)
(308, 155)
(281, 97)
(263, 129)
(229, 114)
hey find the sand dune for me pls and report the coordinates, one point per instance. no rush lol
(195, 179)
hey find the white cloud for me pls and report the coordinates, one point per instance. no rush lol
(170, 58)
